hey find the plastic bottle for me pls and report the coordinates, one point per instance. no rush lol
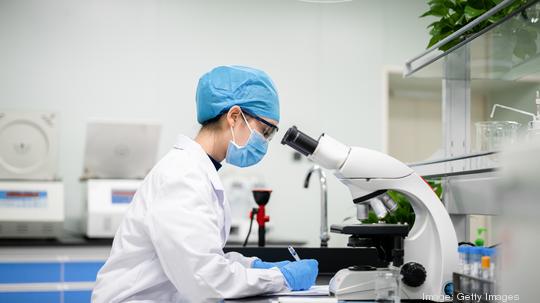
(475, 259)
(492, 254)
(486, 274)
(464, 265)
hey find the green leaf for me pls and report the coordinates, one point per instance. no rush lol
(428, 13)
(479, 4)
(461, 21)
(433, 41)
(437, 10)
(453, 18)
(438, 2)
(432, 24)
(372, 218)
(454, 14)
(436, 30)
(450, 44)
(471, 13)
(436, 185)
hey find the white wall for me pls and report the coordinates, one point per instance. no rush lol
(141, 60)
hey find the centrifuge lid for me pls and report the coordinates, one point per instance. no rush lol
(27, 145)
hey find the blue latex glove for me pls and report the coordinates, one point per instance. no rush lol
(301, 275)
(258, 263)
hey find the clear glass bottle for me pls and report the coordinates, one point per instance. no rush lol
(387, 285)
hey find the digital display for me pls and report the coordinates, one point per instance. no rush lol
(23, 199)
(122, 196)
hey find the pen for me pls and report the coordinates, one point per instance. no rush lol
(293, 253)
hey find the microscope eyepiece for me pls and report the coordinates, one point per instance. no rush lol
(299, 141)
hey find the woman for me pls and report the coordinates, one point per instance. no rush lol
(169, 247)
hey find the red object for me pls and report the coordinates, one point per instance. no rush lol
(262, 218)
(261, 196)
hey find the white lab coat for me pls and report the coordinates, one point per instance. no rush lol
(169, 245)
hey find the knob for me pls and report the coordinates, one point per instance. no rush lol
(414, 274)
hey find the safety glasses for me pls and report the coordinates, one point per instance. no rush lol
(270, 129)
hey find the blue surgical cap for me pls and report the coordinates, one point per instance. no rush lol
(226, 86)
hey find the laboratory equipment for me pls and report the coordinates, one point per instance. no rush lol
(464, 266)
(293, 253)
(29, 146)
(387, 285)
(486, 274)
(534, 124)
(31, 193)
(362, 211)
(475, 257)
(492, 254)
(33, 209)
(476, 260)
(120, 150)
(378, 208)
(486, 264)
(388, 202)
(494, 135)
(429, 251)
(107, 202)
(261, 196)
(324, 235)
(238, 186)
(117, 156)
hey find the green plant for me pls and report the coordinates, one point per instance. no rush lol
(404, 212)
(454, 14)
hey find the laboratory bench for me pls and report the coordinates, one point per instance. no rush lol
(79, 240)
(65, 269)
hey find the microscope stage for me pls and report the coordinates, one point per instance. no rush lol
(371, 230)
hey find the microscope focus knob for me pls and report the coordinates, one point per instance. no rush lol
(414, 274)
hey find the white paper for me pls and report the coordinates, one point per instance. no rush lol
(316, 290)
(307, 300)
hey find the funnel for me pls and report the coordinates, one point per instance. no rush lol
(261, 195)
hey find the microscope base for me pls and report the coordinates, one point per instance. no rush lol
(353, 284)
(359, 285)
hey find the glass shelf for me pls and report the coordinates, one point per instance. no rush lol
(507, 50)
(470, 164)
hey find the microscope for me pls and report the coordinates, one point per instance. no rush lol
(425, 254)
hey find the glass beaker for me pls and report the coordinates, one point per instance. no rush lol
(387, 286)
(494, 135)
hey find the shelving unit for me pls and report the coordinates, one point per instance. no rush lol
(489, 55)
(473, 163)
(495, 59)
